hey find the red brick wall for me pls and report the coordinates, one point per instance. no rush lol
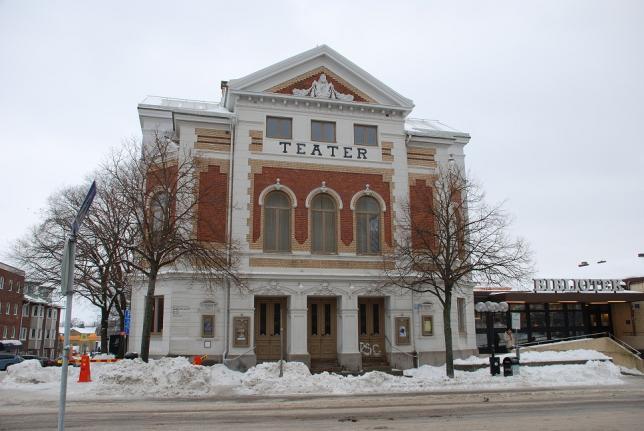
(13, 298)
(420, 204)
(302, 182)
(213, 200)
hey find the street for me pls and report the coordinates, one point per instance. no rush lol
(607, 408)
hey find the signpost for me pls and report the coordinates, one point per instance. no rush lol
(516, 325)
(67, 288)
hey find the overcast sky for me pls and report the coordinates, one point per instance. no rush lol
(551, 92)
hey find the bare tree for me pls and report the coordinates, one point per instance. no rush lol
(158, 184)
(100, 274)
(450, 237)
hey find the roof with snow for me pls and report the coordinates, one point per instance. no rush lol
(431, 128)
(185, 106)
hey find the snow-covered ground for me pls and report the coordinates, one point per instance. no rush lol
(548, 356)
(177, 377)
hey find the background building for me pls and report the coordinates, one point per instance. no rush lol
(39, 321)
(12, 281)
(309, 160)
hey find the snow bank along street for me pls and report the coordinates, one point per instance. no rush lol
(177, 377)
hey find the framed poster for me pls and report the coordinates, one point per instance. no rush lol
(241, 334)
(402, 331)
(207, 326)
(428, 326)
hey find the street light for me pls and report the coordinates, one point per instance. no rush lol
(67, 288)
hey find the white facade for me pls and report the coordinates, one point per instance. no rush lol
(342, 282)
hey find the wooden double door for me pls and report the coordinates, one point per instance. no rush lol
(270, 327)
(371, 328)
(322, 329)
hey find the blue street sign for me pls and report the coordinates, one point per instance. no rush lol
(127, 321)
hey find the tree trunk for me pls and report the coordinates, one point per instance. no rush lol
(105, 314)
(147, 315)
(447, 329)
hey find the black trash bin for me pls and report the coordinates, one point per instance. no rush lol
(495, 365)
(510, 366)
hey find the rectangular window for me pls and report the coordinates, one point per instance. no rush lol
(322, 131)
(365, 135)
(428, 326)
(8, 308)
(33, 333)
(277, 319)
(49, 313)
(314, 319)
(25, 310)
(363, 319)
(376, 319)
(157, 315)
(13, 332)
(23, 333)
(327, 319)
(15, 309)
(262, 319)
(4, 332)
(279, 128)
(460, 305)
(207, 326)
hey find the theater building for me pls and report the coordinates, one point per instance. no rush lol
(311, 159)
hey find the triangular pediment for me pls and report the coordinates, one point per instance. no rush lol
(336, 87)
(321, 72)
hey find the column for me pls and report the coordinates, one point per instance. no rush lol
(348, 354)
(296, 329)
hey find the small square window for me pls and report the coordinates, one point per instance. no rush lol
(279, 128)
(365, 135)
(322, 131)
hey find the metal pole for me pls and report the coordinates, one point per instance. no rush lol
(281, 350)
(67, 286)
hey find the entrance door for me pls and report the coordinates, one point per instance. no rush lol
(270, 325)
(371, 327)
(322, 337)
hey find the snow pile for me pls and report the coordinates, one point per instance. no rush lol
(104, 356)
(546, 356)
(177, 377)
(31, 372)
(166, 377)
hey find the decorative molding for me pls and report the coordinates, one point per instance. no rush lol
(323, 89)
(278, 187)
(323, 189)
(368, 192)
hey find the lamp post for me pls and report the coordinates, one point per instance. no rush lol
(67, 288)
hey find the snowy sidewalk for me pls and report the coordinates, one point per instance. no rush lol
(177, 377)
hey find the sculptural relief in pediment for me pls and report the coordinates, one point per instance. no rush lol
(321, 84)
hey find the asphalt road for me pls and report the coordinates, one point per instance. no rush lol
(609, 408)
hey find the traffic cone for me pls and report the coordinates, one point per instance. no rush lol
(84, 376)
(197, 360)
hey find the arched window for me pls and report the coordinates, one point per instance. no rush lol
(368, 225)
(159, 211)
(323, 221)
(277, 222)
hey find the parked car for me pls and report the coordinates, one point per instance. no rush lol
(8, 359)
(46, 362)
(28, 357)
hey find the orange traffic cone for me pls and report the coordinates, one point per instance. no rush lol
(197, 360)
(84, 376)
